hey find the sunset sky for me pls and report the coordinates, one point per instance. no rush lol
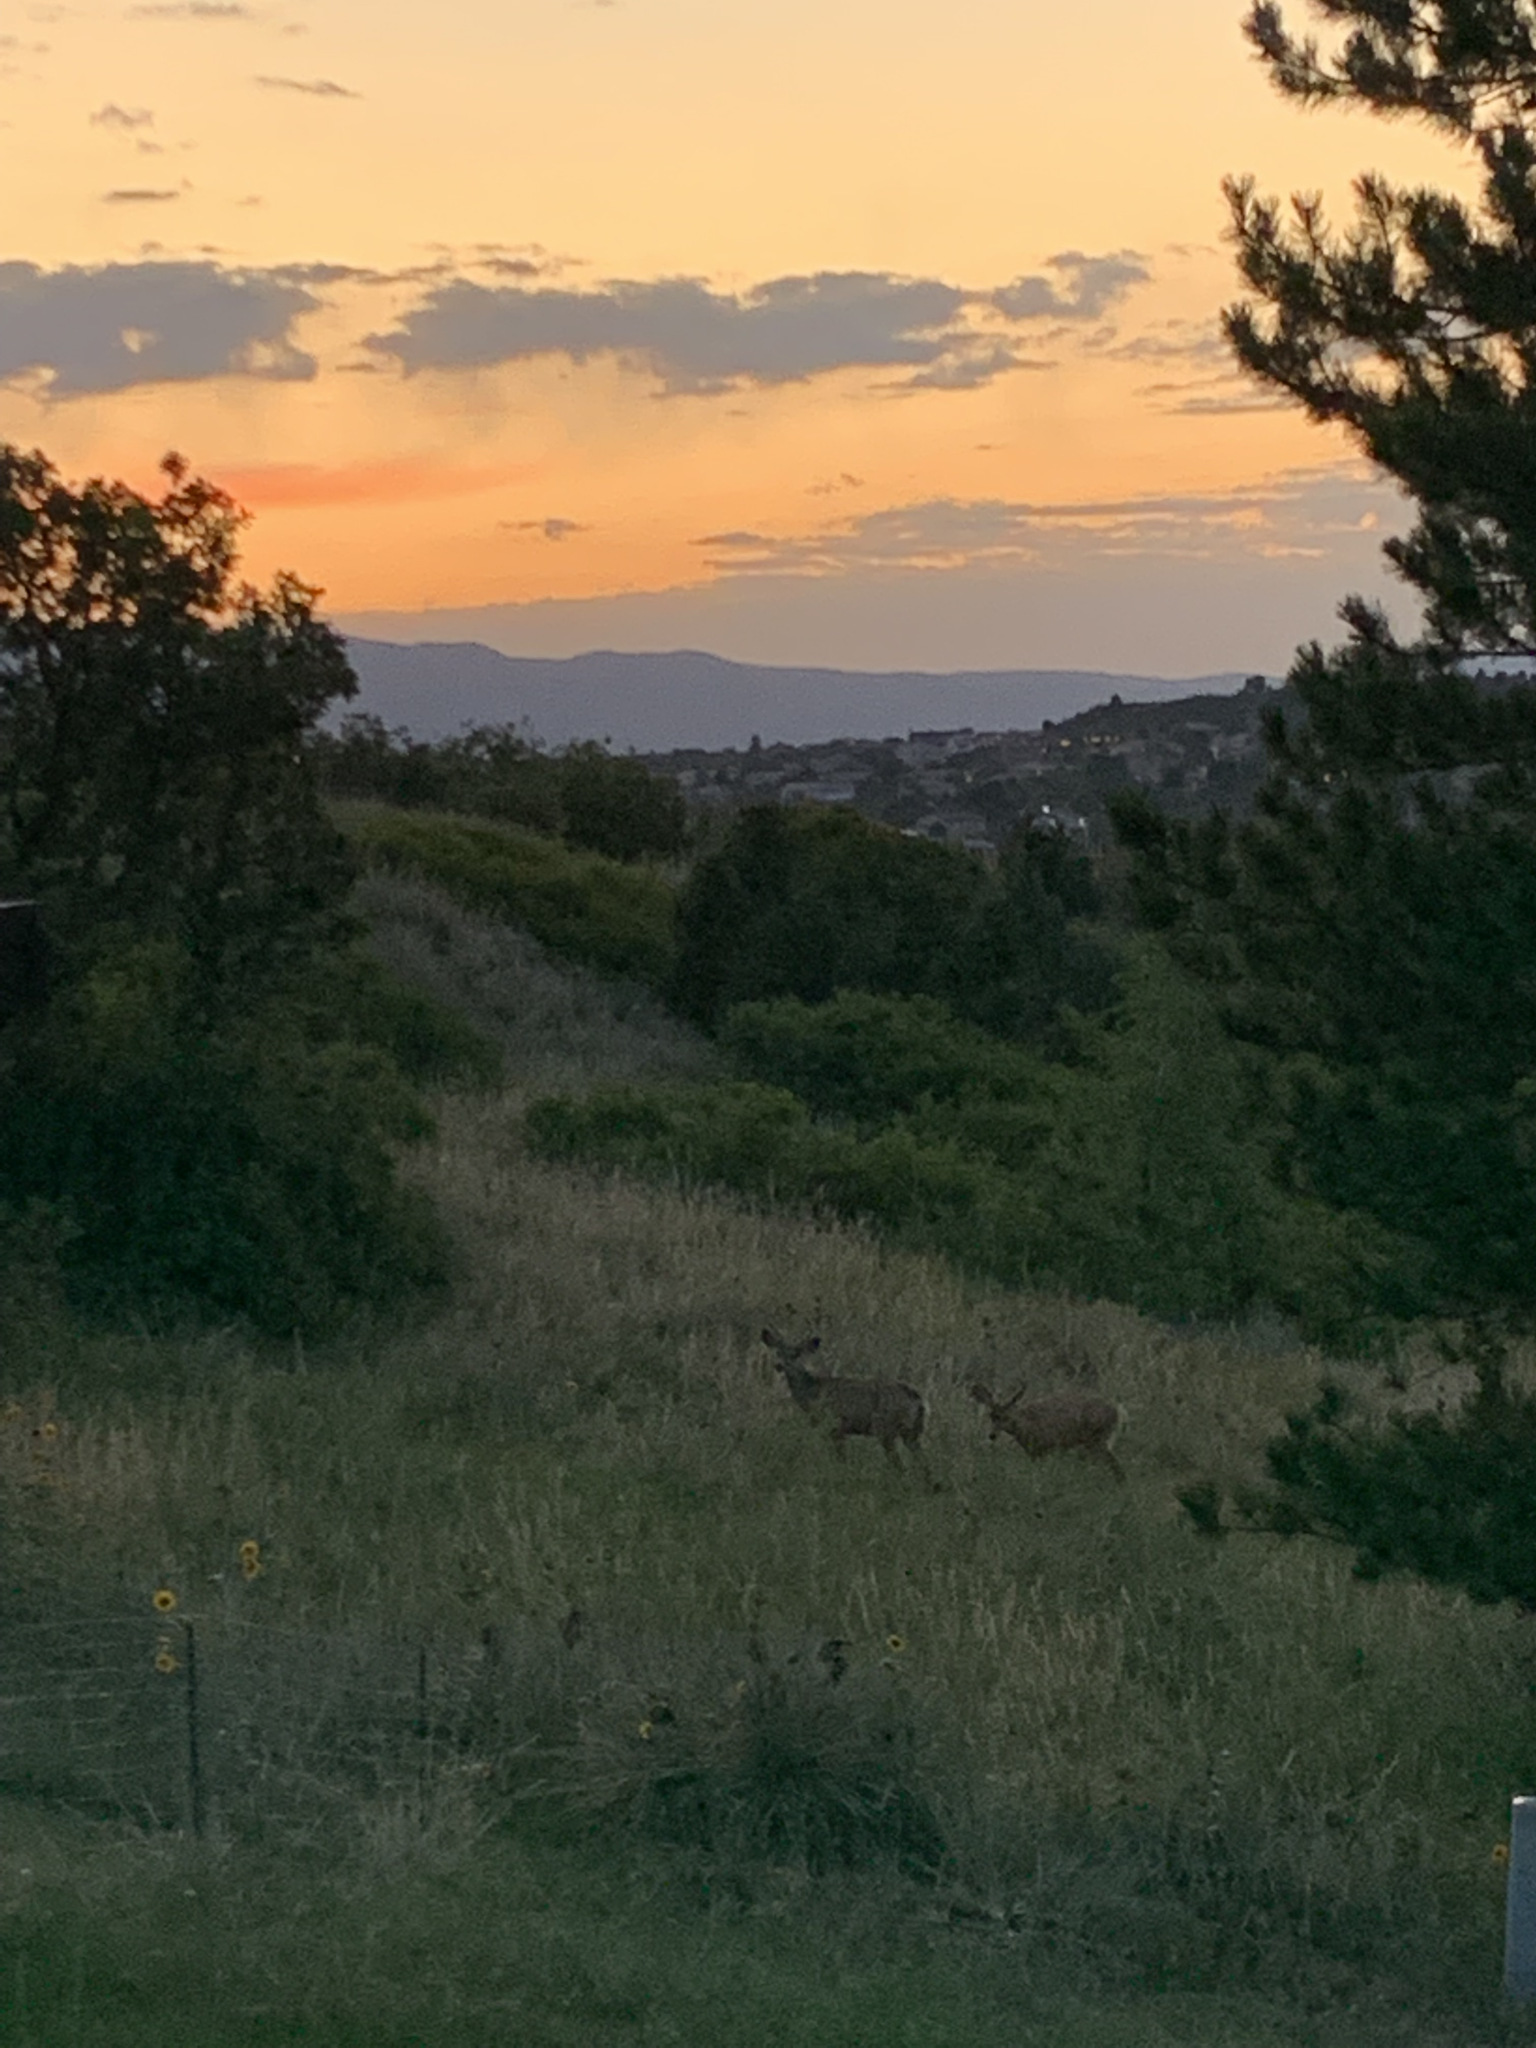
(881, 335)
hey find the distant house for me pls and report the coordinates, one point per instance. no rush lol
(954, 829)
(1058, 818)
(1499, 671)
(817, 793)
(926, 749)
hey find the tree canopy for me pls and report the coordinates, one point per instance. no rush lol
(1415, 328)
(152, 718)
(198, 1114)
(1373, 926)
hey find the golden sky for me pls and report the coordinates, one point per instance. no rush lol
(813, 330)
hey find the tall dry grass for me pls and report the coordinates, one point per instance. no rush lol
(1152, 1760)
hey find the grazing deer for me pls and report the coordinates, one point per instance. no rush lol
(1055, 1422)
(885, 1409)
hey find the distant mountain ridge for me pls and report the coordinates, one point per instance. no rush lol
(656, 703)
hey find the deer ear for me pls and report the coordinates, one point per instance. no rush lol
(770, 1340)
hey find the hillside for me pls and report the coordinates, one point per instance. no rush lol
(972, 787)
(656, 702)
(561, 1686)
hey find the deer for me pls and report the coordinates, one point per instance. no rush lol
(1055, 1422)
(888, 1410)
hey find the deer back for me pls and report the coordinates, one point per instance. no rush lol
(1052, 1422)
(887, 1409)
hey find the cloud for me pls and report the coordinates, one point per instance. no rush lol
(1092, 284)
(1300, 512)
(1215, 396)
(1204, 404)
(1187, 341)
(317, 88)
(968, 370)
(115, 325)
(192, 10)
(125, 118)
(693, 339)
(551, 529)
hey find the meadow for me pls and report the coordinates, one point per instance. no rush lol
(718, 1738)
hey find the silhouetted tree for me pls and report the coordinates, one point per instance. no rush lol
(152, 719)
(619, 807)
(193, 1117)
(1374, 925)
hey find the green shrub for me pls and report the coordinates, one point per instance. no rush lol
(792, 1765)
(762, 1141)
(803, 902)
(1161, 1181)
(799, 902)
(430, 1043)
(871, 1057)
(246, 1174)
(1146, 1172)
(580, 905)
(612, 804)
(617, 806)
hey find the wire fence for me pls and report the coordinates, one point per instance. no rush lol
(178, 1722)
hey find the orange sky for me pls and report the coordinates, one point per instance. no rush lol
(800, 329)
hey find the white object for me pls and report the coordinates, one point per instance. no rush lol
(1520, 1906)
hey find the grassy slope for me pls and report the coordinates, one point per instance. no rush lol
(1191, 1794)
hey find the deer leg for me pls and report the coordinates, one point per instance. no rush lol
(1105, 1456)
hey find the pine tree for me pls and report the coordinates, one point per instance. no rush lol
(1373, 926)
(1416, 328)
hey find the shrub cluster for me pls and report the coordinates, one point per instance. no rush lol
(200, 1092)
(609, 803)
(582, 906)
(802, 902)
(1143, 1171)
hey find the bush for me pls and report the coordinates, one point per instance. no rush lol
(1145, 1172)
(794, 1765)
(246, 1174)
(873, 1057)
(761, 1141)
(805, 903)
(610, 803)
(429, 1043)
(617, 806)
(1160, 1181)
(581, 906)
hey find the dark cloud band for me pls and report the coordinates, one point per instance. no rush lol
(120, 324)
(108, 327)
(692, 339)
(1297, 512)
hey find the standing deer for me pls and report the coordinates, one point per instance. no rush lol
(888, 1410)
(1055, 1422)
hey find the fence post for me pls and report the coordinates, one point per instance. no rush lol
(194, 1749)
(1520, 1903)
(424, 1757)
